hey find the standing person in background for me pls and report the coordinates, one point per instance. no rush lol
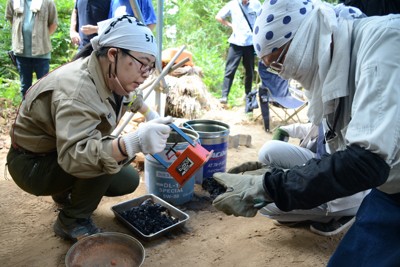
(87, 13)
(123, 7)
(33, 22)
(84, 20)
(243, 14)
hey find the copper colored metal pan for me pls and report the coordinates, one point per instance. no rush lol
(106, 249)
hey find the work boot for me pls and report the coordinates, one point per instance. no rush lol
(62, 199)
(75, 231)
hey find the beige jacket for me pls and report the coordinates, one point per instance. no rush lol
(71, 111)
(46, 16)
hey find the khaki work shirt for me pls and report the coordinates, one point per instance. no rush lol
(71, 111)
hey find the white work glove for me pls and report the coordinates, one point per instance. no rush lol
(134, 101)
(150, 138)
(244, 195)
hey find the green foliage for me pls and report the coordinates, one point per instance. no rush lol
(197, 28)
(10, 90)
(7, 70)
(63, 50)
(9, 79)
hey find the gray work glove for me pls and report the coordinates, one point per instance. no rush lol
(247, 166)
(244, 195)
(134, 101)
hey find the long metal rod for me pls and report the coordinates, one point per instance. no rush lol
(166, 70)
(136, 11)
(180, 64)
(159, 37)
(149, 82)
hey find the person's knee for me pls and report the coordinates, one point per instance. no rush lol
(125, 183)
(269, 151)
(131, 184)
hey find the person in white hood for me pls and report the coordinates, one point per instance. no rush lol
(351, 73)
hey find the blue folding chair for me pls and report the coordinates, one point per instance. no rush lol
(276, 93)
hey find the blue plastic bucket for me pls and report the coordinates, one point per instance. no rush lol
(159, 182)
(214, 135)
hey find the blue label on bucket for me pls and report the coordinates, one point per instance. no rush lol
(217, 162)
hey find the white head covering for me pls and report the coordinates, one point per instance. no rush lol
(277, 24)
(308, 59)
(125, 32)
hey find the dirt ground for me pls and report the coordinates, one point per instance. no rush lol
(209, 238)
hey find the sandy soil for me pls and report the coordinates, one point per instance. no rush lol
(209, 238)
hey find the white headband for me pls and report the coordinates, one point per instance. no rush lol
(125, 32)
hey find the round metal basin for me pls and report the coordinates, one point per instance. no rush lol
(106, 249)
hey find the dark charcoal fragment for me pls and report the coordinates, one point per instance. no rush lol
(213, 187)
(149, 217)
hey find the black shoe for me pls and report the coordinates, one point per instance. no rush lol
(333, 227)
(291, 224)
(79, 229)
(223, 100)
(287, 224)
(62, 199)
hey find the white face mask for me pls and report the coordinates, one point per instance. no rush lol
(299, 66)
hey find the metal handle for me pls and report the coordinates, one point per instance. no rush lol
(159, 159)
(181, 133)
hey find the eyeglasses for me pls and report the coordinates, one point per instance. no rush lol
(143, 68)
(276, 66)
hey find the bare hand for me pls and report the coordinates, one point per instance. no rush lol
(89, 29)
(75, 39)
